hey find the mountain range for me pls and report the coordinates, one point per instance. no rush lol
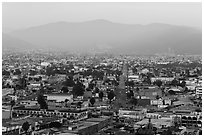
(105, 36)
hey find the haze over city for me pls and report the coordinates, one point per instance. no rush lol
(104, 27)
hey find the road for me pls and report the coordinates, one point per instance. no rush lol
(120, 90)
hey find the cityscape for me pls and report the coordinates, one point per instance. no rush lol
(101, 89)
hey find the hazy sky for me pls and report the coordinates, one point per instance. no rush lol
(22, 15)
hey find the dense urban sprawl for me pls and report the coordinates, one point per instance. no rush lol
(101, 94)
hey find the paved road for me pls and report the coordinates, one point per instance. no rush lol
(121, 91)
(123, 77)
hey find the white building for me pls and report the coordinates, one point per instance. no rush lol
(198, 91)
(59, 97)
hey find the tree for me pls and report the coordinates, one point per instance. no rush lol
(157, 97)
(96, 90)
(22, 84)
(186, 89)
(55, 124)
(65, 101)
(171, 92)
(50, 71)
(111, 95)
(174, 82)
(168, 132)
(14, 91)
(114, 82)
(163, 91)
(183, 84)
(17, 72)
(5, 72)
(92, 101)
(147, 80)
(133, 101)
(88, 89)
(33, 72)
(131, 83)
(149, 128)
(64, 89)
(78, 89)
(68, 81)
(91, 86)
(134, 70)
(101, 95)
(79, 104)
(12, 103)
(41, 99)
(25, 126)
(130, 94)
(42, 102)
(158, 83)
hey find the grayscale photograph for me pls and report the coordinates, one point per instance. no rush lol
(101, 68)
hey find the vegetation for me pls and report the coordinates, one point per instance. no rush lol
(158, 83)
(111, 95)
(78, 89)
(92, 101)
(41, 99)
(25, 126)
(101, 95)
(12, 103)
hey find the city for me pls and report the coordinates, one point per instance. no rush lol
(102, 68)
(100, 94)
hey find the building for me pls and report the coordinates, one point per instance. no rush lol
(158, 123)
(135, 78)
(149, 92)
(90, 126)
(164, 79)
(153, 115)
(58, 97)
(77, 114)
(135, 114)
(198, 91)
(191, 120)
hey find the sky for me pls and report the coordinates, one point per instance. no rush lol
(23, 15)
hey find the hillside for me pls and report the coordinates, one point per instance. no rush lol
(106, 36)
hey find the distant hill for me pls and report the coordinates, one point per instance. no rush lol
(106, 36)
(10, 43)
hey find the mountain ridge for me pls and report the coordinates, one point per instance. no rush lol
(116, 37)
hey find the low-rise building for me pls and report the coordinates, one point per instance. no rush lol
(59, 97)
(135, 114)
